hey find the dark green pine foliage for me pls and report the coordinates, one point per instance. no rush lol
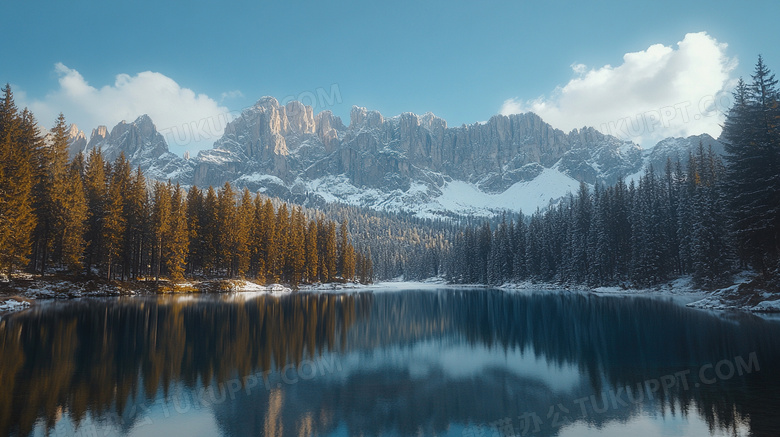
(752, 142)
(710, 253)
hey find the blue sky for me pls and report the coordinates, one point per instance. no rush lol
(462, 61)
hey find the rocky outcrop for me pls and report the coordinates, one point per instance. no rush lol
(77, 141)
(143, 147)
(98, 136)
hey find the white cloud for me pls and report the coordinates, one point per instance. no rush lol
(653, 94)
(189, 121)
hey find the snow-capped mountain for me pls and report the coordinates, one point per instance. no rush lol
(142, 145)
(409, 162)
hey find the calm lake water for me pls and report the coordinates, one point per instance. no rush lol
(416, 362)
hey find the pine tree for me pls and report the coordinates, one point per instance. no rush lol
(244, 221)
(95, 188)
(210, 231)
(330, 252)
(279, 263)
(348, 263)
(297, 247)
(227, 229)
(710, 248)
(50, 197)
(312, 252)
(176, 243)
(600, 266)
(161, 224)
(74, 220)
(519, 243)
(122, 176)
(258, 244)
(270, 246)
(113, 229)
(579, 235)
(752, 143)
(18, 141)
(195, 218)
(137, 214)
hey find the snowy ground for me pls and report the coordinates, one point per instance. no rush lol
(454, 197)
(734, 297)
(747, 294)
(11, 305)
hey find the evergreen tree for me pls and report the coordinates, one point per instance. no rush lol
(137, 216)
(74, 220)
(209, 227)
(258, 246)
(330, 251)
(18, 141)
(95, 187)
(50, 196)
(579, 235)
(348, 263)
(161, 224)
(195, 219)
(270, 247)
(122, 177)
(710, 248)
(297, 247)
(601, 264)
(281, 243)
(176, 243)
(243, 224)
(752, 143)
(113, 228)
(519, 269)
(312, 252)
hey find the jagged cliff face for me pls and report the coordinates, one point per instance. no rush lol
(407, 162)
(77, 141)
(289, 143)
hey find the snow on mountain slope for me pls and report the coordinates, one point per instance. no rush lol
(455, 197)
(467, 199)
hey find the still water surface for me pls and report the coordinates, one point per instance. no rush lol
(414, 362)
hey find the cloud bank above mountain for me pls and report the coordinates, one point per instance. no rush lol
(189, 121)
(655, 93)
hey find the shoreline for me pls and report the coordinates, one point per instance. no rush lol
(22, 292)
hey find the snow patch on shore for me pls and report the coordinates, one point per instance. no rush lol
(11, 305)
(246, 290)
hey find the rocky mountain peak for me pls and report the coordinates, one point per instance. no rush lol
(327, 127)
(362, 117)
(99, 133)
(77, 141)
(267, 102)
(75, 133)
(300, 117)
(432, 122)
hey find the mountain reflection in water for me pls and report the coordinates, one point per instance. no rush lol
(445, 362)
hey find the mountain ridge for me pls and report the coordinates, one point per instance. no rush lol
(408, 162)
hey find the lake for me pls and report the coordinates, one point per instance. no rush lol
(450, 362)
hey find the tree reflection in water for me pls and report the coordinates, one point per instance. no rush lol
(408, 362)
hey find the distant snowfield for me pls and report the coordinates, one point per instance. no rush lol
(458, 197)
(550, 185)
